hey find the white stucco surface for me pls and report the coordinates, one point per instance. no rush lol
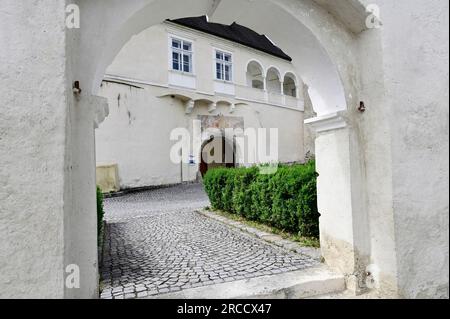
(136, 138)
(143, 112)
(398, 154)
(419, 136)
(32, 148)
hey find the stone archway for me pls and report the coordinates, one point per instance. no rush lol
(90, 49)
(341, 61)
(207, 156)
(317, 65)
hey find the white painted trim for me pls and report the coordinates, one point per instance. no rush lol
(182, 79)
(215, 49)
(212, 107)
(166, 86)
(294, 75)
(205, 93)
(326, 123)
(172, 36)
(299, 109)
(263, 70)
(189, 106)
(131, 80)
(276, 68)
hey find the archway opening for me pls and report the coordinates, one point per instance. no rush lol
(289, 85)
(273, 81)
(255, 75)
(217, 152)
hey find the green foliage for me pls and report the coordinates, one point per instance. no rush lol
(286, 200)
(215, 181)
(242, 200)
(100, 212)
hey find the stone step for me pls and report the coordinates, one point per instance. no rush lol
(307, 283)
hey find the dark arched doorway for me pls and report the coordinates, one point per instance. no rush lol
(217, 152)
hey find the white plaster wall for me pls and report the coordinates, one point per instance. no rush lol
(377, 156)
(256, 115)
(136, 134)
(32, 148)
(136, 113)
(334, 199)
(416, 78)
(416, 88)
(80, 220)
(146, 57)
(309, 134)
(393, 246)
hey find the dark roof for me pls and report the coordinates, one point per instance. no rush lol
(234, 32)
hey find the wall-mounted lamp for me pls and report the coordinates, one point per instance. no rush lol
(76, 87)
(362, 107)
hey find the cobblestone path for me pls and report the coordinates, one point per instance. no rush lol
(156, 243)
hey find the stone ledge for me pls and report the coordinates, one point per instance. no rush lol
(268, 237)
(306, 283)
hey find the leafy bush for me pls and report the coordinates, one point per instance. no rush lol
(100, 213)
(286, 200)
(242, 200)
(215, 181)
(262, 198)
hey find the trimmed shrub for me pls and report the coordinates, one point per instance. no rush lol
(100, 213)
(228, 190)
(215, 181)
(286, 200)
(242, 199)
(309, 214)
(262, 198)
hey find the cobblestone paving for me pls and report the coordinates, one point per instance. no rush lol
(156, 243)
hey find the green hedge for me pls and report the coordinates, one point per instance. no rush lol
(100, 213)
(286, 200)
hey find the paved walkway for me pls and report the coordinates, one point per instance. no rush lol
(156, 243)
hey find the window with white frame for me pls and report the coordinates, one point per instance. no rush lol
(182, 55)
(224, 66)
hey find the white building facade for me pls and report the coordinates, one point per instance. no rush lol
(170, 75)
(383, 172)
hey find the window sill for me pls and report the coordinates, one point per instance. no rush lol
(183, 73)
(224, 81)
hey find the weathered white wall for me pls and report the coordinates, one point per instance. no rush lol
(47, 193)
(309, 136)
(416, 82)
(402, 139)
(146, 57)
(136, 134)
(32, 148)
(80, 220)
(403, 142)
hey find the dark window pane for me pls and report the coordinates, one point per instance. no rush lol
(187, 46)
(175, 60)
(176, 44)
(227, 73)
(219, 71)
(186, 63)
